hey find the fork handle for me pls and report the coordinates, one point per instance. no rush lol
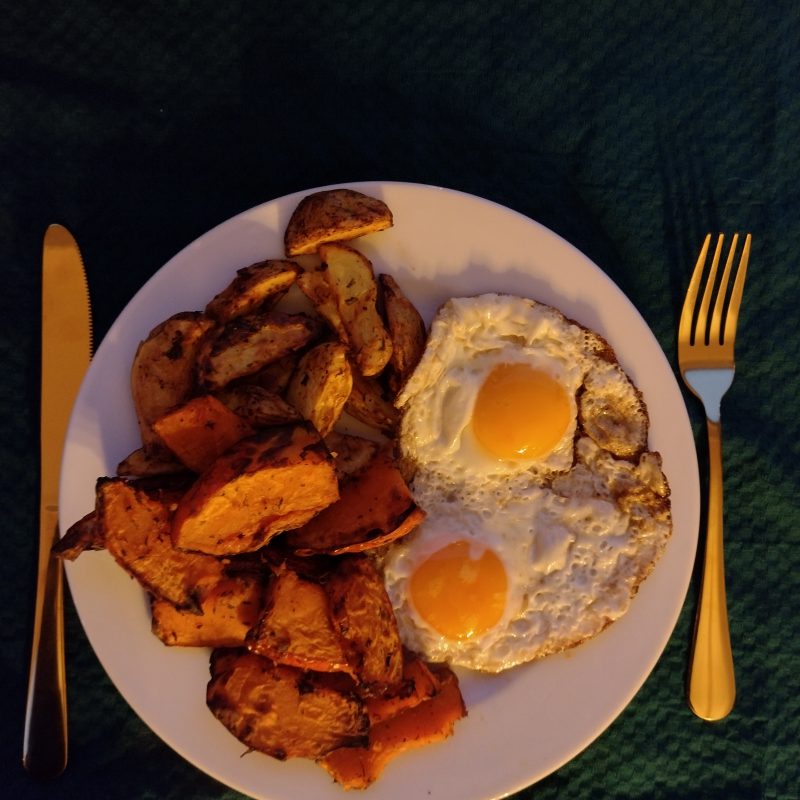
(712, 684)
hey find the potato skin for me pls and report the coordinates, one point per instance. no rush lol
(334, 215)
(273, 481)
(283, 711)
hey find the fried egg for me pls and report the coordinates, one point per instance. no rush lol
(544, 509)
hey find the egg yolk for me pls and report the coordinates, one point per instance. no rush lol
(520, 411)
(457, 595)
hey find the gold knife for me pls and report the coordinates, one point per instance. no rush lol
(66, 350)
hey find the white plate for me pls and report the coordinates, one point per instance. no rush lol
(521, 725)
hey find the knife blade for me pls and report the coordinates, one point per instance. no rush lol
(66, 350)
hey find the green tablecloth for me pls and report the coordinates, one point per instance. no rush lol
(630, 129)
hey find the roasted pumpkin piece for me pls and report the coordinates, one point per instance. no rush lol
(281, 710)
(375, 507)
(418, 684)
(259, 285)
(427, 722)
(162, 375)
(273, 481)
(247, 344)
(228, 608)
(259, 406)
(85, 534)
(296, 628)
(362, 615)
(332, 215)
(201, 430)
(135, 527)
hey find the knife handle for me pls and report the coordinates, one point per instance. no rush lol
(44, 749)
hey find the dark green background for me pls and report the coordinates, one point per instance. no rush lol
(631, 129)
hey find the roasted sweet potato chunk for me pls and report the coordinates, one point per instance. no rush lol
(273, 481)
(362, 614)
(83, 535)
(136, 526)
(281, 710)
(296, 627)
(429, 721)
(375, 507)
(248, 343)
(260, 285)
(201, 430)
(162, 375)
(334, 215)
(418, 684)
(228, 608)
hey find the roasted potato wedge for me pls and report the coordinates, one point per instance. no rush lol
(149, 463)
(248, 343)
(281, 710)
(296, 628)
(351, 454)
(275, 376)
(334, 215)
(273, 481)
(162, 375)
(260, 285)
(352, 281)
(135, 527)
(406, 329)
(228, 608)
(429, 721)
(259, 406)
(362, 614)
(201, 430)
(314, 285)
(374, 508)
(321, 385)
(369, 404)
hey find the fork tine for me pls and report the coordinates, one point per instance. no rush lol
(685, 328)
(736, 295)
(716, 318)
(701, 331)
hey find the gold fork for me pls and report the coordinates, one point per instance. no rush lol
(705, 354)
